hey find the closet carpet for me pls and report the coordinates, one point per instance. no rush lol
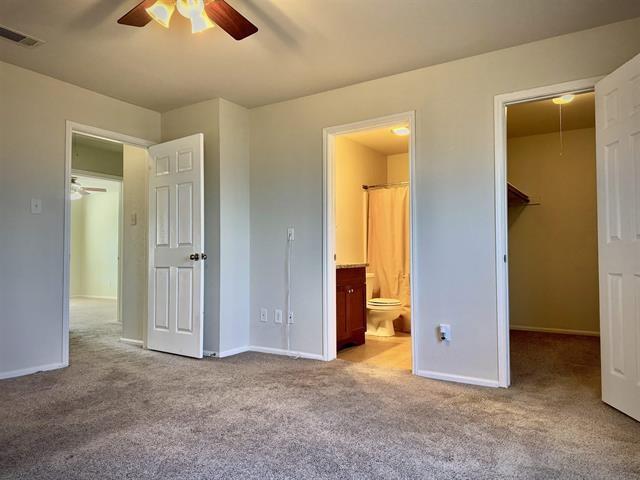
(119, 412)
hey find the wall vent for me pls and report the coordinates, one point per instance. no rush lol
(19, 38)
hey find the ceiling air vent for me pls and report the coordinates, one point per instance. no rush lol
(20, 38)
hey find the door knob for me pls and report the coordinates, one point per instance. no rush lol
(194, 256)
(203, 256)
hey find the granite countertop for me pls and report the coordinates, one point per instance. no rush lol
(352, 265)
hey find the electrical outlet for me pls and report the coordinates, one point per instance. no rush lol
(278, 316)
(290, 318)
(264, 314)
(444, 331)
(36, 206)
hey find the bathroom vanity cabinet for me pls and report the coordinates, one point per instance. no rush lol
(351, 305)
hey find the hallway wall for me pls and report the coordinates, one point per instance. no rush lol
(95, 230)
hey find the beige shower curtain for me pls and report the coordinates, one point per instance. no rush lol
(388, 246)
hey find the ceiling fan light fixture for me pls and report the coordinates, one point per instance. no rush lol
(200, 23)
(162, 11)
(194, 11)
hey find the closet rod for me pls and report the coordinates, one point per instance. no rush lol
(384, 185)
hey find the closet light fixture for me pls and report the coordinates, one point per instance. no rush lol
(564, 99)
(401, 131)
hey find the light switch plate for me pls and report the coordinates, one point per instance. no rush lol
(36, 206)
(263, 314)
(278, 316)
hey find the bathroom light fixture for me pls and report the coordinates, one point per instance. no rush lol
(564, 99)
(401, 131)
(162, 11)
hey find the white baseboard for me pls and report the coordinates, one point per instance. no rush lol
(233, 351)
(30, 370)
(254, 348)
(131, 341)
(563, 331)
(282, 351)
(483, 382)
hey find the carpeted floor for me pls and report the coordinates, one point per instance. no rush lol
(122, 412)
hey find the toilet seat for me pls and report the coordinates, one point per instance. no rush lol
(383, 304)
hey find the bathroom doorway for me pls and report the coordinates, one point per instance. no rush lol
(369, 259)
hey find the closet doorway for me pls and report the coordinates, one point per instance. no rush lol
(368, 243)
(553, 242)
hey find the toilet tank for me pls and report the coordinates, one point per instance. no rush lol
(371, 283)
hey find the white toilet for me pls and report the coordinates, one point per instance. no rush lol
(381, 312)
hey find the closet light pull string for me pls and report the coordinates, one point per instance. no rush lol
(561, 137)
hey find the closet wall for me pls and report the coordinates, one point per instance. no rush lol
(553, 267)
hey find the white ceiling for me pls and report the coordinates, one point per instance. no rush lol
(381, 140)
(303, 46)
(543, 116)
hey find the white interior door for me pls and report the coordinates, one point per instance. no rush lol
(618, 165)
(176, 241)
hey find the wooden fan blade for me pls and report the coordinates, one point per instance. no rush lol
(94, 189)
(137, 16)
(229, 19)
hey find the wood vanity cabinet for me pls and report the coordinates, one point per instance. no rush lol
(351, 306)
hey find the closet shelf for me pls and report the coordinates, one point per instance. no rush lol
(516, 196)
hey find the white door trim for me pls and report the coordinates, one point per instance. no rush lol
(70, 129)
(329, 351)
(500, 186)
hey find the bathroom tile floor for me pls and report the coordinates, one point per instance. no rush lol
(389, 352)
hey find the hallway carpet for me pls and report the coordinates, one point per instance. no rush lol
(119, 412)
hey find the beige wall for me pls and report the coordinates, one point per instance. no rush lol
(553, 247)
(234, 227)
(454, 189)
(204, 118)
(398, 168)
(32, 159)
(226, 208)
(95, 226)
(96, 160)
(356, 165)
(134, 238)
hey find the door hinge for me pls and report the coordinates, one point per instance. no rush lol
(504, 258)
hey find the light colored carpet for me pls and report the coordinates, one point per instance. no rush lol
(119, 412)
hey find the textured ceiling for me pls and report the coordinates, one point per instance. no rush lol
(303, 46)
(543, 116)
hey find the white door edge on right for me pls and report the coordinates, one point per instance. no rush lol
(618, 183)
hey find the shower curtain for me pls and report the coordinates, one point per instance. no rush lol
(388, 246)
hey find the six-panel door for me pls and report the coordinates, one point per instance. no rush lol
(176, 243)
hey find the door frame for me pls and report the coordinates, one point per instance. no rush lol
(501, 102)
(329, 134)
(87, 130)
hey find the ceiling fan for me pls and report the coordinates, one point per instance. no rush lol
(203, 14)
(78, 191)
